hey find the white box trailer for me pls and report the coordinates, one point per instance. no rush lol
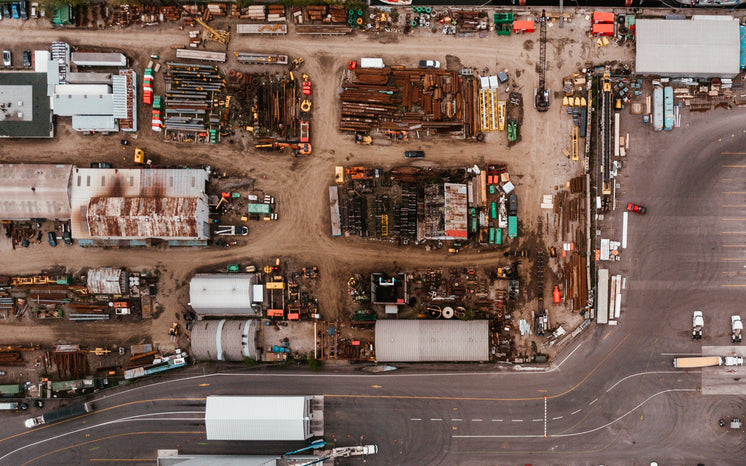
(372, 63)
(264, 418)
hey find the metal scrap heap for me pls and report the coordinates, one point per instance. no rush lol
(434, 100)
(190, 97)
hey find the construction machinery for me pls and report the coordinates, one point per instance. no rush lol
(296, 63)
(736, 329)
(364, 139)
(698, 323)
(298, 148)
(606, 79)
(139, 156)
(541, 95)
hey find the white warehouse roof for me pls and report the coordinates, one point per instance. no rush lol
(432, 340)
(34, 191)
(221, 294)
(258, 417)
(704, 47)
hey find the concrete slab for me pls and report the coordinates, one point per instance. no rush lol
(299, 334)
(724, 380)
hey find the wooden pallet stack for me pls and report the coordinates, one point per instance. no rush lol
(338, 14)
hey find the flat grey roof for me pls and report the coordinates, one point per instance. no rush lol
(31, 89)
(34, 191)
(689, 48)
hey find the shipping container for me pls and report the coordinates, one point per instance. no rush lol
(372, 63)
(492, 236)
(493, 210)
(603, 29)
(603, 17)
(523, 26)
(498, 236)
(658, 108)
(668, 116)
(512, 226)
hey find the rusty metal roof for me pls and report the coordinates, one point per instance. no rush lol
(139, 203)
(34, 191)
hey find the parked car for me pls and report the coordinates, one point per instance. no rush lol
(67, 237)
(22, 10)
(1, 13)
(27, 58)
(6, 10)
(433, 64)
(636, 208)
(100, 165)
(7, 58)
(414, 154)
(14, 9)
(52, 239)
(38, 403)
(34, 10)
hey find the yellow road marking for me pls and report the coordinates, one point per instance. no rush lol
(733, 192)
(734, 245)
(107, 438)
(734, 286)
(734, 259)
(733, 153)
(733, 232)
(204, 385)
(734, 219)
(734, 166)
(376, 386)
(741, 206)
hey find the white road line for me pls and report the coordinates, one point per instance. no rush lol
(584, 432)
(107, 423)
(415, 419)
(576, 412)
(566, 358)
(624, 230)
(681, 354)
(517, 420)
(476, 420)
(555, 418)
(593, 401)
(537, 420)
(456, 420)
(545, 416)
(497, 420)
(435, 419)
(641, 373)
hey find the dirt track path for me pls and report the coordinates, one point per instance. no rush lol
(300, 185)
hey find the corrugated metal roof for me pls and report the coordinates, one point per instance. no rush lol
(34, 191)
(119, 90)
(98, 59)
(144, 217)
(85, 104)
(139, 194)
(257, 418)
(455, 210)
(694, 48)
(106, 280)
(224, 340)
(94, 123)
(432, 340)
(221, 294)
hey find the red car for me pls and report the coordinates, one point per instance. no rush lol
(638, 209)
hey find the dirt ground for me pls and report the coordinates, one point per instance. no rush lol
(537, 164)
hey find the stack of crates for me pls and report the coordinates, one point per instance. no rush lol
(503, 23)
(157, 119)
(147, 86)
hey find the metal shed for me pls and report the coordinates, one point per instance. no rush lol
(432, 340)
(264, 418)
(704, 47)
(34, 191)
(107, 280)
(225, 340)
(222, 294)
(98, 59)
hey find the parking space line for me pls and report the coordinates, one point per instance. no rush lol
(593, 401)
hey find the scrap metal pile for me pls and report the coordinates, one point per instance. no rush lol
(192, 107)
(433, 100)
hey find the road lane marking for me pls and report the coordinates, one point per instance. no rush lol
(734, 259)
(566, 358)
(476, 420)
(555, 418)
(733, 286)
(204, 385)
(457, 420)
(575, 434)
(733, 232)
(125, 460)
(593, 401)
(497, 420)
(733, 219)
(415, 419)
(734, 245)
(435, 419)
(651, 372)
(733, 153)
(576, 412)
(516, 420)
(545, 417)
(734, 166)
(680, 354)
(537, 420)
(733, 192)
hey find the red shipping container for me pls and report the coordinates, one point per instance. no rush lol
(523, 26)
(603, 29)
(603, 17)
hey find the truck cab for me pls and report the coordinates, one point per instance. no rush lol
(736, 329)
(698, 323)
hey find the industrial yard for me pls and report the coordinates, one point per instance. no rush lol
(325, 185)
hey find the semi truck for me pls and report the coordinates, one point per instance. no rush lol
(736, 329)
(698, 323)
(707, 361)
(59, 415)
(13, 406)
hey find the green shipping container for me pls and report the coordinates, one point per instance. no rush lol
(498, 236)
(259, 208)
(512, 226)
(493, 210)
(492, 236)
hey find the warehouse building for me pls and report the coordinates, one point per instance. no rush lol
(25, 111)
(703, 47)
(264, 418)
(107, 280)
(222, 295)
(225, 340)
(432, 340)
(34, 191)
(99, 59)
(139, 207)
